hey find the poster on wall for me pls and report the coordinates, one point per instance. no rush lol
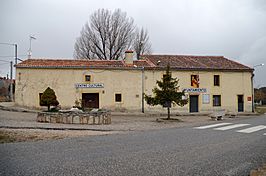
(195, 81)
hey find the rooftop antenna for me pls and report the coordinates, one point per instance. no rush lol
(30, 51)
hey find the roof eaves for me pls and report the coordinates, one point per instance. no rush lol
(200, 69)
(82, 67)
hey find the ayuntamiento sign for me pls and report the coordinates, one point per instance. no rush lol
(195, 90)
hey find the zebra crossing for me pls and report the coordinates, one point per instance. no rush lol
(240, 128)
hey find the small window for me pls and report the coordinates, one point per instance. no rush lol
(216, 80)
(216, 100)
(118, 98)
(87, 77)
(205, 98)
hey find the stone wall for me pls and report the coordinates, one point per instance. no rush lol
(90, 118)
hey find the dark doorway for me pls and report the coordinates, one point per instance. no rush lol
(193, 103)
(90, 100)
(240, 102)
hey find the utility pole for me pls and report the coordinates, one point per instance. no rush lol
(16, 53)
(11, 68)
(11, 83)
(252, 85)
(16, 50)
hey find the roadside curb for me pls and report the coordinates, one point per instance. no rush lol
(16, 109)
(61, 129)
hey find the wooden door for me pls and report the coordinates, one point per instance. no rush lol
(90, 100)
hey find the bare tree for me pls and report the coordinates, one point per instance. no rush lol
(107, 35)
(141, 44)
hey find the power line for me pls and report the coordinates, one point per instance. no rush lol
(3, 64)
(4, 61)
(3, 43)
(17, 59)
(12, 56)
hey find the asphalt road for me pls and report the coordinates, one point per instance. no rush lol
(178, 151)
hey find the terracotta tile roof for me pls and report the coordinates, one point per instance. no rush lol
(185, 62)
(67, 63)
(180, 62)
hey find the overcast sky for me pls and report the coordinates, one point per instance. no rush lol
(232, 28)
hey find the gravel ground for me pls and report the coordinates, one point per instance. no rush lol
(23, 135)
(120, 124)
(22, 126)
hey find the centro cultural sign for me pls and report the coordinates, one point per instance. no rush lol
(96, 85)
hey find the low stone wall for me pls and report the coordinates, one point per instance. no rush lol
(91, 118)
(259, 172)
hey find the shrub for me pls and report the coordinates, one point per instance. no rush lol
(48, 98)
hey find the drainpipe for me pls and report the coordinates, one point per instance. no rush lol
(252, 86)
(142, 90)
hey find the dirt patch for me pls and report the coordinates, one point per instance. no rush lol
(165, 120)
(259, 172)
(24, 135)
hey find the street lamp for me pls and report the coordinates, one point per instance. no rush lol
(253, 94)
(262, 64)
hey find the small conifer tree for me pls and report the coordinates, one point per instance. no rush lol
(167, 93)
(48, 98)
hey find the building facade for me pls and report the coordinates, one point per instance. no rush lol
(210, 82)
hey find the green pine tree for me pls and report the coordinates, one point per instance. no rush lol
(167, 93)
(48, 98)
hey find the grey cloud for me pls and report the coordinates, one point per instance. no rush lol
(235, 29)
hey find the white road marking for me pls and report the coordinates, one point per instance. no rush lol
(211, 126)
(230, 127)
(252, 129)
(264, 134)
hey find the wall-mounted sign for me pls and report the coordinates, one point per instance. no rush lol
(96, 85)
(195, 90)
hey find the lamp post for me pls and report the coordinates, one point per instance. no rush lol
(253, 75)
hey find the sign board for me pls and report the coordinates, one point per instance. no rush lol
(96, 85)
(249, 98)
(195, 90)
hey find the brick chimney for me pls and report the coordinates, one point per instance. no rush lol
(129, 57)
